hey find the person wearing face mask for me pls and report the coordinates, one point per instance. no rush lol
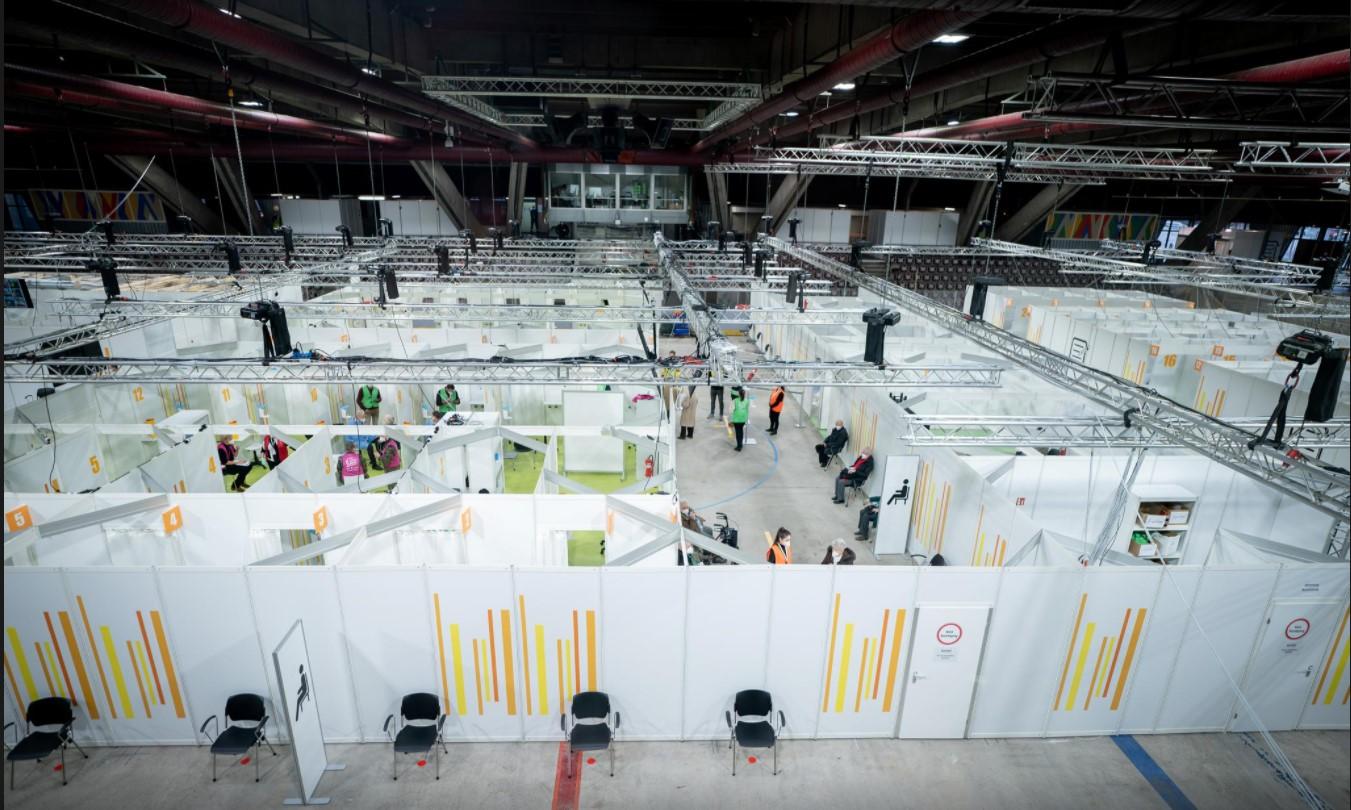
(833, 444)
(692, 521)
(839, 553)
(781, 550)
(855, 474)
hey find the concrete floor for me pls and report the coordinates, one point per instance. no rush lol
(774, 482)
(1210, 770)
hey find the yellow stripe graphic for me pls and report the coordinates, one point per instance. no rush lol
(1097, 670)
(1130, 656)
(1069, 654)
(844, 667)
(1107, 676)
(115, 665)
(478, 677)
(507, 663)
(895, 659)
(51, 660)
(168, 663)
(871, 659)
(1084, 647)
(483, 657)
(14, 687)
(1332, 653)
(862, 673)
(25, 674)
(570, 667)
(457, 663)
(1338, 673)
(46, 673)
(140, 684)
(525, 660)
(98, 662)
(141, 654)
(541, 672)
(80, 675)
(441, 648)
(562, 682)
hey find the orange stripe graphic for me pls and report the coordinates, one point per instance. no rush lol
(862, 670)
(979, 521)
(591, 650)
(51, 662)
(98, 662)
(61, 659)
(943, 521)
(478, 678)
(441, 650)
(1332, 653)
(830, 662)
(1074, 638)
(525, 658)
(80, 675)
(1003, 547)
(1120, 638)
(492, 649)
(1130, 656)
(140, 684)
(168, 662)
(562, 704)
(1097, 670)
(150, 654)
(51, 690)
(14, 690)
(895, 658)
(881, 648)
(507, 663)
(1111, 656)
(576, 652)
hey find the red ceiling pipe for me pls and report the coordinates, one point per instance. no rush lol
(206, 20)
(102, 35)
(1056, 42)
(352, 153)
(90, 91)
(908, 34)
(1011, 126)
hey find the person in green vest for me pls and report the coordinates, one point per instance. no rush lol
(368, 400)
(741, 412)
(447, 401)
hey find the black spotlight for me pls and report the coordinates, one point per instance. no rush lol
(389, 283)
(712, 230)
(346, 234)
(107, 270)
(745, 254)
(288, 242)
(442, 259)
(231, 251)
(473, 243)
(877, 319)
(792, 228)
(276, 333)
(794, 284)
(1146, 256)
(980, 288)
(760, 264)
(108, 234)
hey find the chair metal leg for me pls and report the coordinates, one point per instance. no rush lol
(63, 764)
(437, 754)
(256, 766)
(269, 746)
(734, 756)
(612, 759)
(213, 766)
(71, 740)
(11, 774)
(396, 766)
(776, 758)
(569, 760)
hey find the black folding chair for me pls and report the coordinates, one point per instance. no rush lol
(245, 728)
(49, 722)
(751, 722)
(420, 732)
(590, 728)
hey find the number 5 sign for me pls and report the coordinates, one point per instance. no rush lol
(16, 520)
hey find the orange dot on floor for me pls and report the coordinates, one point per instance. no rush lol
(422, 763)
(751, 760)
(590, 760)
(245, 760)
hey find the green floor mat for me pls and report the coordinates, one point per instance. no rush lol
(585, 548)
(602, 482)
(522, 473)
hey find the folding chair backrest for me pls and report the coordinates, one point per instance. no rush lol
(753, 702)
(590, 705)
(420, 706)
(50, 711)
(244, 706)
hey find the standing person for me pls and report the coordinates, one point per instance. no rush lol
(689, 407)
(229, 464)
(741, 412)
(349, 464)
(714, 399)
(781, 550)
(368, 400)
(855, 474)
(839, 553)
(833, 444)
(776, 398)
(447, 401)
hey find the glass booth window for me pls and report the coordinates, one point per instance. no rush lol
(633, 192)
(670, 192)
(600, 191)
(565, 190)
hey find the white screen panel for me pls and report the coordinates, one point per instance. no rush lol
(726, 643)
(644, 648)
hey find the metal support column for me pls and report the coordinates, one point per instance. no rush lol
(170, 191)
(1026, 218)
(448, 196)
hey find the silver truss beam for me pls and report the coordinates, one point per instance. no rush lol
(923, 430)
(1307, 480)
(532, 120)
(574, 87)
(981, 160)
(1332, 159)
(357, 370)
(1275, 272)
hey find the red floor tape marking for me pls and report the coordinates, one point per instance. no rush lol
(567, 790)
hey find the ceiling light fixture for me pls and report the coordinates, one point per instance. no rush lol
(951, 39)
(846, 86)
(825, 92)
(952, 122)
(790, 114)
(230, 13)
(251, 102)
(949, 208)
(370, 71)
(371, 197)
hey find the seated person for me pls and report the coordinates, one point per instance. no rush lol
(833, 444)
(387, 449)
(349, 465)
(839, 553)
(855, 474)
(692, 521)
(867, 518)
(228, 454)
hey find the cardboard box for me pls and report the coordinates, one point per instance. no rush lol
(1178, 516)
(1144, 549)
(1168, 544)
(1153, 521)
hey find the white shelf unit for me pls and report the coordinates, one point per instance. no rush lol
(1165, 513)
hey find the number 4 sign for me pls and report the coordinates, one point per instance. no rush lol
(172, 520)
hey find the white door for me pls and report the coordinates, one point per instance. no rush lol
(944, 660)
(1285, 663)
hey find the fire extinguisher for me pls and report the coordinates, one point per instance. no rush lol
(648, 466)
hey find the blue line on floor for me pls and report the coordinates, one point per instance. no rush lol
(752, 487)
(1153, 774)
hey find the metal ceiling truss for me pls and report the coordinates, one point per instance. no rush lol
(923, 430)
(357, 370)
(581, 87)
(1189, 103)
(1254, 269)
(1332, 159)
(1296, 475)
(981, 160)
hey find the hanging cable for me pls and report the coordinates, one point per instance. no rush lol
(435, 170)
(492, 186)
(464, 200)
(220, 198)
